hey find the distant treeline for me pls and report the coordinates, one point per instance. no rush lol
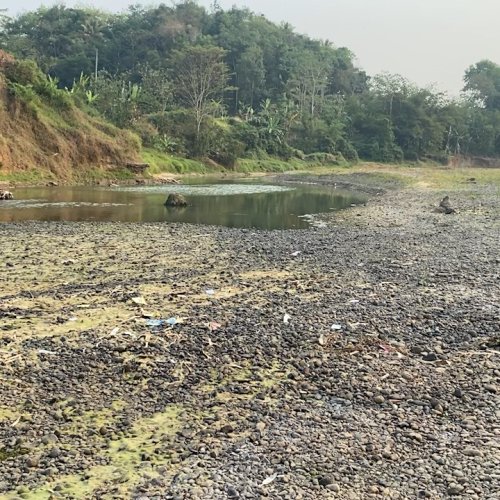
(229, 84)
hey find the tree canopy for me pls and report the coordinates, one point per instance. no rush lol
(220, 81)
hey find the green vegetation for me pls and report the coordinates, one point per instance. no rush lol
(161, 162)
(45, 134)
(232, 89)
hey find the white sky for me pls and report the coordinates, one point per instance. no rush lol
(427, 41)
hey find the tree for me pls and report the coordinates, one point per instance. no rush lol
(309, 82)
(200, 77)
(482, 81)
(250, 75)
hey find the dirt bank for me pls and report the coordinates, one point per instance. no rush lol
(353, 361)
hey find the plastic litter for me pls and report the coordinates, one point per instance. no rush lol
(139, 301)
(269, 479)
(295, 254)
(213, 325)
(336, 326)
(43, 351)
(155, 323)
(286, 318)
(210, 291)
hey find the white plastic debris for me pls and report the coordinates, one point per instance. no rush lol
(269, 479)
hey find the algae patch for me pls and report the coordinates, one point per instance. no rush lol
(126, 462)
(12, 453)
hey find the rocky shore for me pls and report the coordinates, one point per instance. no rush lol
(356, 360)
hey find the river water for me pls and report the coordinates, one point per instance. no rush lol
(256, 203)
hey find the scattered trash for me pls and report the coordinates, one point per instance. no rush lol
(139, 301)
(68, 262)
(286, 318)
(322, 340)
(62, 320)
(269, 479)
(295, 254)
(155, 323)
(213, 325)
(386, 348)
(354, 301)
(175, 321)
(43, 351)
(210, 291)
(114, 331)
(336, 326)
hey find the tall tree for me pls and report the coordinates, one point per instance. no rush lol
(200, 77)
(482, 81)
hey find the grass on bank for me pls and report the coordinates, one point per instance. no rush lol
(165, 163)
(418, 175)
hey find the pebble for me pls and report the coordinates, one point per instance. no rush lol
(50, 438)
(325, 480)
(54, 453)
(33, 462)
(430, 357)
(471, 452)
(455, 489)
(333, 487)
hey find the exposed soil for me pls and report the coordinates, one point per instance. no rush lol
(350, 361)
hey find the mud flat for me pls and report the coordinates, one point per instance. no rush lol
(354, 360)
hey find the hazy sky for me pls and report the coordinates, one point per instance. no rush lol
(427, 41)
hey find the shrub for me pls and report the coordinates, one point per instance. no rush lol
(23, 73)
(146, 131)
(321, 159)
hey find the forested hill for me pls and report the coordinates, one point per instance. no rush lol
(230, 84)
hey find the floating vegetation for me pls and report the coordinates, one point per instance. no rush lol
(209, 189)
(61, 204)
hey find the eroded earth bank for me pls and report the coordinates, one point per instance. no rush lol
(364, 366)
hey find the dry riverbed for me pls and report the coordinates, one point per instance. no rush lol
(349, 361)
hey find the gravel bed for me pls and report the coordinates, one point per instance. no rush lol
(357, 359)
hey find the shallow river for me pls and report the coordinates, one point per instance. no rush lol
(255, 203)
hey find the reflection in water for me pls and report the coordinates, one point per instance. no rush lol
(232, 204)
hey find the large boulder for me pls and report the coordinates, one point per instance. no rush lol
(6, 195)
(176, 200)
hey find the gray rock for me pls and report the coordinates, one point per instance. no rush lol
(176, 200)
(455, 489)
(54, 453)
